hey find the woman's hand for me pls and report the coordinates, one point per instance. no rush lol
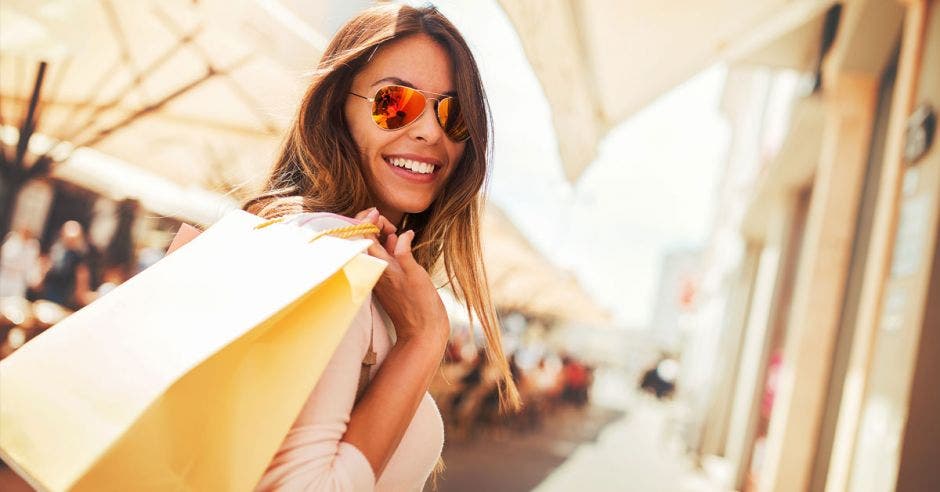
(381, 417)
(405, 289)
(372, 215)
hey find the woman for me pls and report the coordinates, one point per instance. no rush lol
(394, 130)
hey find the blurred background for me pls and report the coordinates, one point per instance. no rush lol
(711, 229)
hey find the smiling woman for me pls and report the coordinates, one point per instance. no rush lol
(407, 157)
(394, 129)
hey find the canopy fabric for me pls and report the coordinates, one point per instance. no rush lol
(524, 280)
(199, 93)
(600, 61)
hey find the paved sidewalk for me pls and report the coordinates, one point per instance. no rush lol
(638, 452)
(510, 461)
(629, 445)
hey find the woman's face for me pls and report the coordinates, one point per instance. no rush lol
(419, 62)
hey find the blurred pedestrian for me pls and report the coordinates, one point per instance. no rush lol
(19, 263)
(577, 377)
(660, 379)
(67, 280)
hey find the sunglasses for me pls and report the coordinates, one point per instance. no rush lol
(397, 106)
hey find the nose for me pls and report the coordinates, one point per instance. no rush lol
(426, 128)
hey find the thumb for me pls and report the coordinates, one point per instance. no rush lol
(390, 241)
(403, 245)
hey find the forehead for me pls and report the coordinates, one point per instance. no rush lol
(418, 59)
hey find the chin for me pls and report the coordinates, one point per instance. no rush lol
(415, 209)
(413, 206)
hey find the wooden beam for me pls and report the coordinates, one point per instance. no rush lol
(813, 325)
(880, 248)
(29, 119)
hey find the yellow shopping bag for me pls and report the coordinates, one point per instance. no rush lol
(189, 375)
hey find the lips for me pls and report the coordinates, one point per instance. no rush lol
(418, 167)
(414, 168)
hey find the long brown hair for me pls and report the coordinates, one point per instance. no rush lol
(318, 167)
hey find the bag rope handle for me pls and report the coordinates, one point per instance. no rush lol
(345, 232)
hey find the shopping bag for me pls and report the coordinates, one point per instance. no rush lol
(189, 375)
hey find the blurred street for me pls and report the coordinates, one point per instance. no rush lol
(507, 460)
(641, 451)
(635, 447)
(709, 237)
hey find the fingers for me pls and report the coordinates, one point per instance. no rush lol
(372, 215)
(385, 226)
(390, 243)
(402, 247)
(376, 250)
(396, 248)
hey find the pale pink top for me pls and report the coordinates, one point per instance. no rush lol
(313, 455)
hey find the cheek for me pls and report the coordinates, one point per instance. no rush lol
(456, 152)
(369, 138)
(356, 129)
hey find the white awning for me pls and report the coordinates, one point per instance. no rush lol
(599, 61)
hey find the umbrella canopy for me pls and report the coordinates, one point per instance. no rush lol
(523, 280)
(599, 61)
(197, 92)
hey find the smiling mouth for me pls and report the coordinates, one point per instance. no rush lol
(415, 167)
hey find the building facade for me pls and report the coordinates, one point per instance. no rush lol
(825, 373)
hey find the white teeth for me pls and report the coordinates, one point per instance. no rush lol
(414, 166)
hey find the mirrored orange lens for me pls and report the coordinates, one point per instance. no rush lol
(395, 106)
(451, 119)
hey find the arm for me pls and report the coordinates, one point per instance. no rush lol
(334, 446)
(405, 290)
(382, 416)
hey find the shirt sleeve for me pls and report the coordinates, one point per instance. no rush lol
(313, 457)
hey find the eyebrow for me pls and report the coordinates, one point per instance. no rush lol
(405, 83)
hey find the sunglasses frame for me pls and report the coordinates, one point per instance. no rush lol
(437, 102)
